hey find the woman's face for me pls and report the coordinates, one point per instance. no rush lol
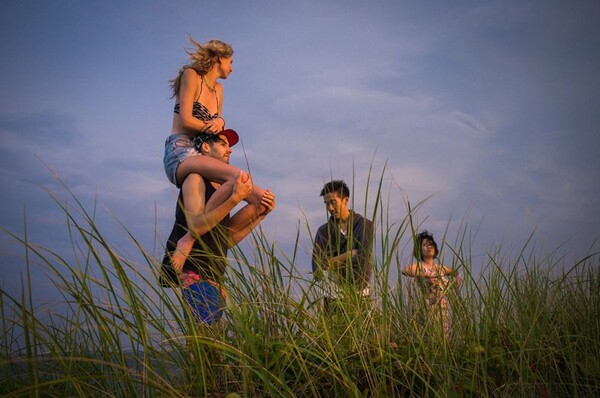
(427, 249)
(225, 67)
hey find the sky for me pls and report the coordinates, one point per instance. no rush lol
(485, 110)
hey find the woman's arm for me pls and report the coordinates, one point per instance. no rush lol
(219, 88)
(218, 124)
(420, 270)
(187, 95)
(410, 270)
(447, 270)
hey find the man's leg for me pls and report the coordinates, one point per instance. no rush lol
(194, 191)
(206, 301)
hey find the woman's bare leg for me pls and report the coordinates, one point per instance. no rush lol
(186, 243)
(219, 172)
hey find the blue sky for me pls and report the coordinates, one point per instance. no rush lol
(490, 109)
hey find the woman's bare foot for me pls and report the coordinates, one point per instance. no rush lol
(182, 251)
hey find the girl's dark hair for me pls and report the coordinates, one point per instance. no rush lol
(424, 235)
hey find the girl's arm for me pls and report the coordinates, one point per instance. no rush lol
(411, 270)
(187, 95)
(425, 272)
(447, 270)
(219, 88)
(218, 124)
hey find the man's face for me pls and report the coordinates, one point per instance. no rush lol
(335, 204)
(219, 149)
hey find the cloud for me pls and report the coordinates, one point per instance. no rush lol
(35, 131)
(488, 110)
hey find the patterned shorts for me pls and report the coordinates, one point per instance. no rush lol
(178, 147)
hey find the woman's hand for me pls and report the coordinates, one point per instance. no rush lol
(215, 125)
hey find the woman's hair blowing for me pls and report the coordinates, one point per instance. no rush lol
(202, 58)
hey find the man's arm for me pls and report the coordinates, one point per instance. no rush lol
(366, 240)
(245, 220)
(340, 260)
(361, 250)
(193, 191)
(319, 258)
(363, 261)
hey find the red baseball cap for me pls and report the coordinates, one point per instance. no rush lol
(231, 135)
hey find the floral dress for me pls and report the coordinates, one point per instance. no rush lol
(436, 300)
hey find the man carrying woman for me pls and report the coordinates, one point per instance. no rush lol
(198, 110)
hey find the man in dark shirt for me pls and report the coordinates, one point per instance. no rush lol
(201, 277)
(342, 246)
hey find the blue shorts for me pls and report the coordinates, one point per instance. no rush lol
(206, 301)
(178, 147)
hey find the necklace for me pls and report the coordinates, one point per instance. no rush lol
(213, 88)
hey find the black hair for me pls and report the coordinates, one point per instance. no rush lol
(338, 186)
(424, 235)
(210, 139)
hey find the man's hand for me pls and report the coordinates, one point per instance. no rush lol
(339, 261)
(268, 201)
(242, 187)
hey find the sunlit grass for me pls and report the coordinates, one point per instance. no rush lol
(526, 325)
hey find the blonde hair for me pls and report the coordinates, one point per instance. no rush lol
(202, 58)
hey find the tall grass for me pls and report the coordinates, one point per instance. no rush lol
(526, 325)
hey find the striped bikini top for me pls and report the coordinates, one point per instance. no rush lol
(199, 111)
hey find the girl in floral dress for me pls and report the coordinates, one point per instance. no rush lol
(434, 279)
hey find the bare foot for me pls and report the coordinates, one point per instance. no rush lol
(244, 175)
(181, 253)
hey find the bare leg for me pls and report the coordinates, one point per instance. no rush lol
(189, 172)
(195, 211)
(217, 171)
(194, 208)
(182, 251)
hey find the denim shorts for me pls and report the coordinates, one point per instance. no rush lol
(178, 147)
(206, 300)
